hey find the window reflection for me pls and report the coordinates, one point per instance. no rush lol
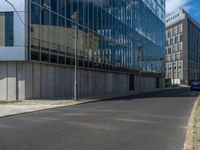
(109, 33)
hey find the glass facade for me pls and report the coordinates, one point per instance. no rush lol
(117, 35)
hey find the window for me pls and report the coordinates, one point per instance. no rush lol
(6, 29)
(171, 42)
(175, 30)
(169, 50)
(180, 28)
(169, 33)
(176, 40)
(35, 32)
(54, 5)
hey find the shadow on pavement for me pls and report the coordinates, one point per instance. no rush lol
(183, 92)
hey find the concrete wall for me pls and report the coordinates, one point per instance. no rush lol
(12, 81)
(23, 80)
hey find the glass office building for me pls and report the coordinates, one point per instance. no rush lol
(120, 47)
(116, 35)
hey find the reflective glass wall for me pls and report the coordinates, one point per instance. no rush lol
(117, 35)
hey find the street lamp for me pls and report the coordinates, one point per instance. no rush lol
(140, 48)
(17, 13)
(15, 10)
(185, 76)
(75, 17)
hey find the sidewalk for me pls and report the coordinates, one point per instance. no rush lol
(35, 105)
(27, 106)
(196, 137)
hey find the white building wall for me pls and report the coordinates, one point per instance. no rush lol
(18, 51)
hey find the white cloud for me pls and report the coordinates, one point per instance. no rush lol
(174, 5)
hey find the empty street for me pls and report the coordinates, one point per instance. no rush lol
(155, 121)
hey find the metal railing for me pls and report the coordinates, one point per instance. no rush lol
(84, 60)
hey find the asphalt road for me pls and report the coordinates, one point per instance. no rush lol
(155, 121)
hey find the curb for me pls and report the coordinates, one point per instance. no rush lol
(39, 110)
(85, 101)
(189, 140)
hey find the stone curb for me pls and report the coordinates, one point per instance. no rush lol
(188, 145)
(82, 101)
(43, 109)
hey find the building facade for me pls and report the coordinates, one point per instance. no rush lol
(118, 41)
(182, 48)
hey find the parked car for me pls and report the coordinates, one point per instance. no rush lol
(195, 86)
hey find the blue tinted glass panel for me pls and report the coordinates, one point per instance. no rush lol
(9, 29)
(111, 33)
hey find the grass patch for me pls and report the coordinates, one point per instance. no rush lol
(8, 102)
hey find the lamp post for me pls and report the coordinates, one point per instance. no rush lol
(141, 50)
(75, 17)
(15, 10)
(173, 74)
(20, 18)
(185, 75)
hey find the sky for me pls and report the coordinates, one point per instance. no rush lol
(191, 6)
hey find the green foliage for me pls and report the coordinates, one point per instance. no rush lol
(8, 102)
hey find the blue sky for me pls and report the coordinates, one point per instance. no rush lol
(191, 6)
